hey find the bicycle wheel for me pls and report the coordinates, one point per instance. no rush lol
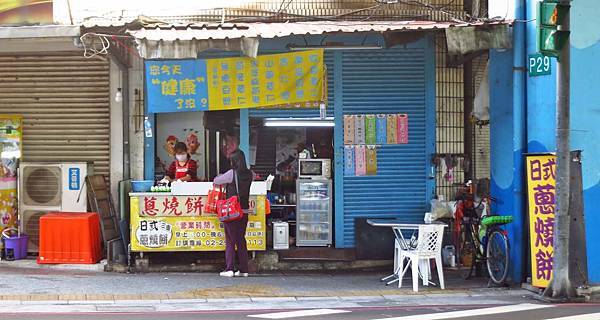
(497, 256)
(468, 252)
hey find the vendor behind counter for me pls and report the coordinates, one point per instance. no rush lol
(183, 168)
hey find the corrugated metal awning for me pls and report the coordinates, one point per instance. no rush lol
(186, 41)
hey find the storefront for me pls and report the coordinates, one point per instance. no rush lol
(371, 84)
(66, 116)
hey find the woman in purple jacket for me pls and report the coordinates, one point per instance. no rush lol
(235, 231)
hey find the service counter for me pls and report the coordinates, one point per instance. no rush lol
(175, 221)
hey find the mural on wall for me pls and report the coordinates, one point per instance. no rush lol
(175, 127)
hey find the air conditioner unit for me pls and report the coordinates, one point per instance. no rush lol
(47, 187)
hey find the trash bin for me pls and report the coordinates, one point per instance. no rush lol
(15, 246)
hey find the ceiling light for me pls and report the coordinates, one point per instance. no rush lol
(119, 95)
(299, 122)
(363, 47)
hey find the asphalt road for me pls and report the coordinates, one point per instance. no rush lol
(529, 311)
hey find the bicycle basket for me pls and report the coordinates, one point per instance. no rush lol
(492, 220)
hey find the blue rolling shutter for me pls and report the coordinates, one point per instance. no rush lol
(304, 112)
(387, 81)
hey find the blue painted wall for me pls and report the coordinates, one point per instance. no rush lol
(506, 155)
(585, 111)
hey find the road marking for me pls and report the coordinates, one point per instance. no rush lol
(472, 313)
(589, 316)
(299, 313)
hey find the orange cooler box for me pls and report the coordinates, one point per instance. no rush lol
(70, 237)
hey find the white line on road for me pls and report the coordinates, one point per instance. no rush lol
(299, 313)
(472, 313)
(589, 316)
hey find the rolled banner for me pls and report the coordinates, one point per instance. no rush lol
(402, 129)
(349, 134)
(371, 154)
(359, 129)
(381, 124)
(349, 162)
(370, 129)
(360, 154)
(392, 133)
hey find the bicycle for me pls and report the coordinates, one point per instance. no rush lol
(482, 240)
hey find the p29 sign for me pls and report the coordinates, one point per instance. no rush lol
(538, 65)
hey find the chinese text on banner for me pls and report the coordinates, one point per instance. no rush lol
(541, 194)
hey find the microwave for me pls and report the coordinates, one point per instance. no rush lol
(314, 168)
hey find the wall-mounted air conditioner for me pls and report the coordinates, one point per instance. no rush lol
(46, 187)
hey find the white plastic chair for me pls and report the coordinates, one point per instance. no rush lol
(429, 246)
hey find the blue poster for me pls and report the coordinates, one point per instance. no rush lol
(176, 85)
(381, 125)
(349, 161)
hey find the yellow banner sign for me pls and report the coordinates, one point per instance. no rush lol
(541, 192)
(167, 231)
(268, 80)
(294, 79)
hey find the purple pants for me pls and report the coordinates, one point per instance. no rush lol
(235, 237)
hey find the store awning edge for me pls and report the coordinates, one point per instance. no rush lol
(181, 42)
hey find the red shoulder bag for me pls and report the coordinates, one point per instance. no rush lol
(230, 209)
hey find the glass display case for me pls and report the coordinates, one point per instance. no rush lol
(313, 213)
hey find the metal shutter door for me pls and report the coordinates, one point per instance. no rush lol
(304, 112)
(65, 103)
(387, 81)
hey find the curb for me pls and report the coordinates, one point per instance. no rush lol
(190, 299)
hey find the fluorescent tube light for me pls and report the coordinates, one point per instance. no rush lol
(366, 47)
(299, 122)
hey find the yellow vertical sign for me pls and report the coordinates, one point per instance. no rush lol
(541, 193)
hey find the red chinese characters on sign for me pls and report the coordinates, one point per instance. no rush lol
(171, 206)
(195, 225)
(194, 206)
(149, 206)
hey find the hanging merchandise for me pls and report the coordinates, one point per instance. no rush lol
(359, 129)
(361, 160)
(402, 129)
(349, 129)
(449, 161)
(370, 129)
(381, 124)
(349, 161)
(392, 133)
(371, 154)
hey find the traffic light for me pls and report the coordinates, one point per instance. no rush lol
(551, 14)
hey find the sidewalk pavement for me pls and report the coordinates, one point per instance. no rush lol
(27, 283)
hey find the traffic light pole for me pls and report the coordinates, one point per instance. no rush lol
(560, 287)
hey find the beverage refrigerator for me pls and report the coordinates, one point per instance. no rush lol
(314, 213)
